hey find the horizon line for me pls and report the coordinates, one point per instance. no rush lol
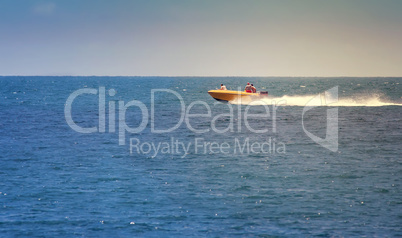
(198, 76)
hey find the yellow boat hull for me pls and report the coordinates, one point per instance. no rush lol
(230, 95)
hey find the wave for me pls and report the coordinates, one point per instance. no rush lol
(315, 100)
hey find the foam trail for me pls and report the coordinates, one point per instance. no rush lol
(372, 101)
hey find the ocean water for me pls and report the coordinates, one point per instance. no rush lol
(161, 158)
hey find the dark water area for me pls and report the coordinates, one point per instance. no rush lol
(174, 162)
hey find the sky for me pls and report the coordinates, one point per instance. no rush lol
(358, 38)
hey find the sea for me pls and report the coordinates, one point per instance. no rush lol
(159, 157)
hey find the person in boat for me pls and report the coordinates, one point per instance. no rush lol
(253, 89)
(248, 88)
(223, 87)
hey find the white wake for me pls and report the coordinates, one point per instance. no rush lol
(365, 101)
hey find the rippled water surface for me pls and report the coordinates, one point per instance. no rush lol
(55, 181)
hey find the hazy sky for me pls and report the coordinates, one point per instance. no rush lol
(201, 38)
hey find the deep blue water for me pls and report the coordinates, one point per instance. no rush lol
(55, 181)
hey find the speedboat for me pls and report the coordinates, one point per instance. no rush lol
(230, 95)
